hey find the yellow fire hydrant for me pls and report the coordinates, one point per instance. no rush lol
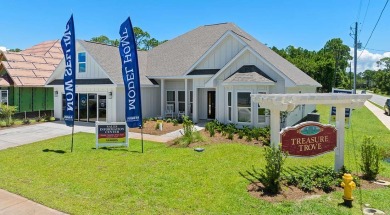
(348, 185)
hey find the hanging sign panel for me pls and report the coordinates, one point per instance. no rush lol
(347, 110)
(308, 139)
(111, 134)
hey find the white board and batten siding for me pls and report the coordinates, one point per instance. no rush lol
(222, 54)
(93, 70)
(150, 104)
(248, 58)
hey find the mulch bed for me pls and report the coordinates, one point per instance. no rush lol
(150, 128)
(292, 193)
(218, 139)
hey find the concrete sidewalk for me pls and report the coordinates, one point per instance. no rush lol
(12, 204)
(379, 113)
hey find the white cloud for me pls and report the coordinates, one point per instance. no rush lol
(367, 60)
(2, 48)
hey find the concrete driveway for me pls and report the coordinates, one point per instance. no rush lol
(22, 135)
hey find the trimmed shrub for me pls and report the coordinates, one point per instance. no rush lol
(240, 134)
(271, 176)
(26, 121)
(157, 126)
(6, 113)
(370, 155)
(190, 134)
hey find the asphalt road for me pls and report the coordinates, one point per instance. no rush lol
(377, 99)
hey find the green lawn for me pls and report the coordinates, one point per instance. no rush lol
(170, 180)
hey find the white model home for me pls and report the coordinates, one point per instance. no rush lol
(207, 73)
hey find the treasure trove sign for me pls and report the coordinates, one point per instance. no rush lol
(308, 139)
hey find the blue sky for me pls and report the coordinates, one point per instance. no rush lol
(304, 23)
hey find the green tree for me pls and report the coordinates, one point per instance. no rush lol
(368, 76)
(101, 39)
(327, 66)
(15, 50)
(384, 62)
(341, 55)
(142, 39)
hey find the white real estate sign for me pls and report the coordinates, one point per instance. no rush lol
(111, 134)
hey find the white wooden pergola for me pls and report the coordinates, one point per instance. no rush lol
(287, 102)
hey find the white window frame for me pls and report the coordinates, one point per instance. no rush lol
(238, 108)
(191, 102)
(174, 99)
(2, 99)
(231, 106)
(258, 108)
(82, 62)
(182, 101)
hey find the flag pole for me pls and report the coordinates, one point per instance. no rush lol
(142, 138)
(71, 149)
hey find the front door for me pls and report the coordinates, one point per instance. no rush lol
(210, 104)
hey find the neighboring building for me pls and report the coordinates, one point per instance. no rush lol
(207, 73)
(23, 76)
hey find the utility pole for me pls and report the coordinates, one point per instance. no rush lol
(355, 57)
(350, 75)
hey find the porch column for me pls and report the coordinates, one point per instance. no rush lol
(195, 104)
(162, 89)
(185, 97)
(340, 125)
(275, 127)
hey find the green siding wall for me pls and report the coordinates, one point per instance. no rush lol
(39, 99)
(26, 98)
(15, 96)
(32, 99)
(11, 98)
(49, 98)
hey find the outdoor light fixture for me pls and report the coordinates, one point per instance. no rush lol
(110, 95)
(56, 93)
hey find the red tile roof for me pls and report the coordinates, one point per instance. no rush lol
(33, 66)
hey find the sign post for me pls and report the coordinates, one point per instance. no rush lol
(111, 134)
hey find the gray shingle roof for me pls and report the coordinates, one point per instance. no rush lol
(109, 59)
(175, 57)
(249, 73)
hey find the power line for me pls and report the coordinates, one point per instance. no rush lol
(374, 28)
(365, 14)
(378, 50)
(360, 7)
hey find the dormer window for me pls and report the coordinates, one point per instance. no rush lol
(82, 62)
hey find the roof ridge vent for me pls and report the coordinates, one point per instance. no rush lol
(241, 35)
(89, 41)
(222, 23)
